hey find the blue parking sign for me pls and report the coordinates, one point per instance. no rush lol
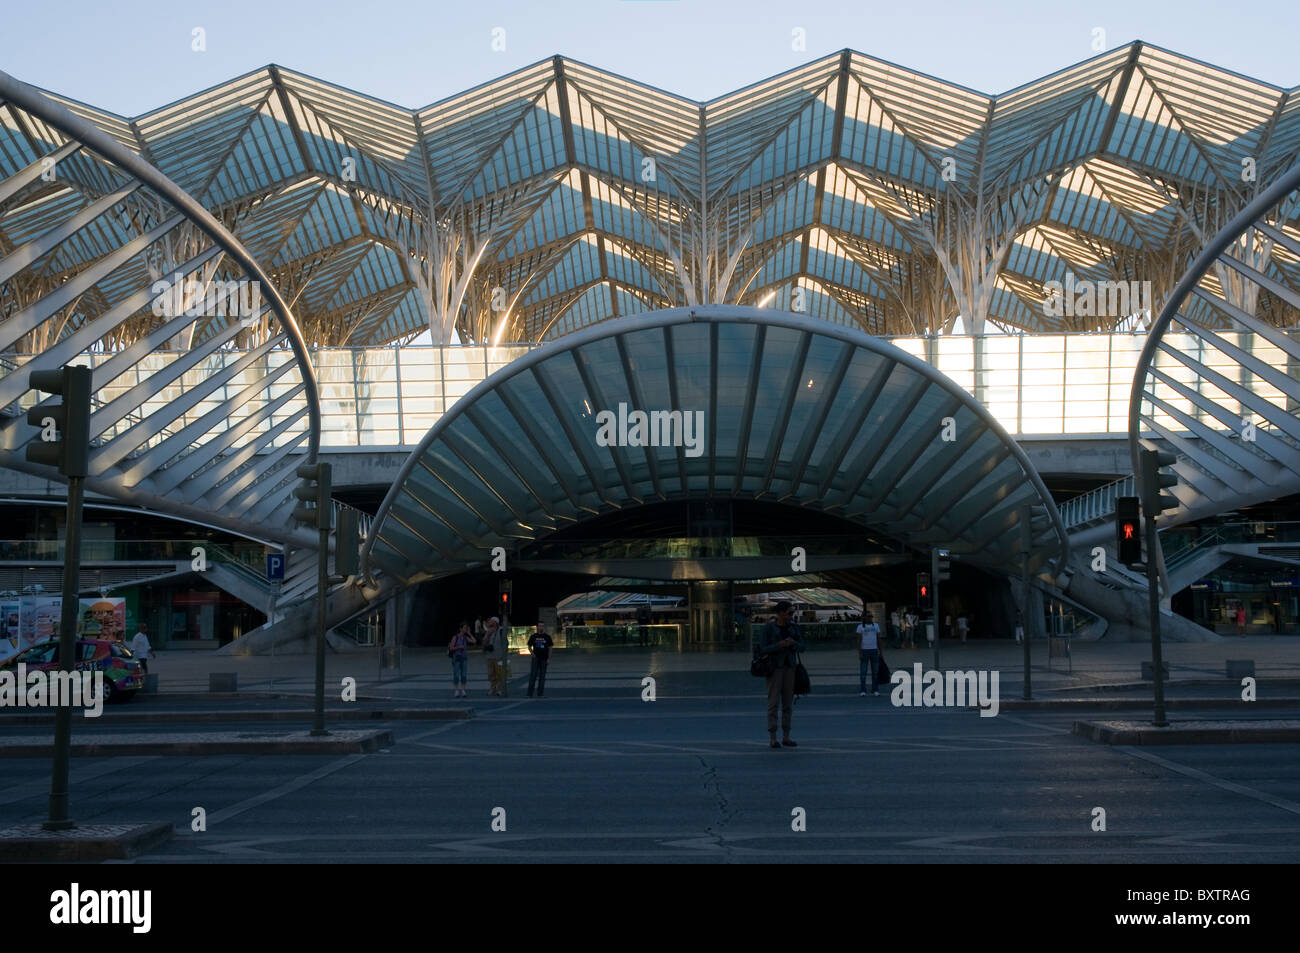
(275, 566)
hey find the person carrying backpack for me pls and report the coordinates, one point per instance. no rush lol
(495, 642)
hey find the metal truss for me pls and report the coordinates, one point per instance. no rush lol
(849, 189)
(1218, 382)
(105, 261)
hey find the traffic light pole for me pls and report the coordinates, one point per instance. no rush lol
(1154, 480)
(1026, 547)
(1153, 600)
(322, 583)
(59, 808)
(934, 602)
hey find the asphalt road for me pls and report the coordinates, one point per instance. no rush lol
(615, 779)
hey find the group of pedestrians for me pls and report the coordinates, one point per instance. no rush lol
(903, 624)
(494, 639)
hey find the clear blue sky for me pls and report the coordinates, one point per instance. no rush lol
(131, 56)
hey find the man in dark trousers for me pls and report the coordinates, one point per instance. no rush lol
(539, 644)
(781, 642)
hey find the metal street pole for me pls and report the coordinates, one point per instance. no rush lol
(1026, 548)
(1153, 602)
(934, 602)
(59, 819)
(322, 582)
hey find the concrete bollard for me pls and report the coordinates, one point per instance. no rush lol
(1147, 672)
(1239, 668)
(223, 681)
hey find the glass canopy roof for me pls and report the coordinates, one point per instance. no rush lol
(562, 195)
(769, 407)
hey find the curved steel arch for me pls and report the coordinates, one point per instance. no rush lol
(517, 457)
(161, 437)
(1195, 399)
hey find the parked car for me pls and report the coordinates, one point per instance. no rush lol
(123, 676)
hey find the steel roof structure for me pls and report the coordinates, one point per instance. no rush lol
(790, 409)
(174, 426)
(561, 195)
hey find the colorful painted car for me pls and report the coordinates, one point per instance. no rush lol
(123, 676)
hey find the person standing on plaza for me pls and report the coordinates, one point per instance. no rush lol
(962, 626)
(458, 649)
(1020, 627)
(1241, 619)
(868, 653)
(540, 645)
(781, 642)
(140, 647)
(497, 641)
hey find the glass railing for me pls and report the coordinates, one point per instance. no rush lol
(704, 547)
(130, 550)
(815, 634)
(631, 636)
(1032, 384)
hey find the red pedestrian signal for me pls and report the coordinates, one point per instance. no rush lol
(1128, 531)
(923, 598)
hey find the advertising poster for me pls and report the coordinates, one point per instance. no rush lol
(11, 613)
(102, 617)
(39, 617)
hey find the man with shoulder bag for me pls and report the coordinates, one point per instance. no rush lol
(781, 642)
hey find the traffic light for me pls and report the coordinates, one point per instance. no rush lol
(347, 543)
(503, 597)
(943, 565)
(64, 440)
(1128, 530)
(1154, 480)
(314, 490)
(923, 592)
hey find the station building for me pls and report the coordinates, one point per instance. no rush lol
(792, 339)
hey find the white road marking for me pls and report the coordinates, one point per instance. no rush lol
(216, 817)
(1207, 778)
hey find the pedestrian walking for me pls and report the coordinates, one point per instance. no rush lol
(912, 620)
(1020, 627)
(458, 649)
(868, 654)
(961, 626)
(496, 645)
(140, 647)
(781, 642)
(539, 644)
(1241, 620)
(896, 628)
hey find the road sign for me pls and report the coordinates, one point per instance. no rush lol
(275, 567)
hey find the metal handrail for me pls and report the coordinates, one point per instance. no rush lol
(1096, 504)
